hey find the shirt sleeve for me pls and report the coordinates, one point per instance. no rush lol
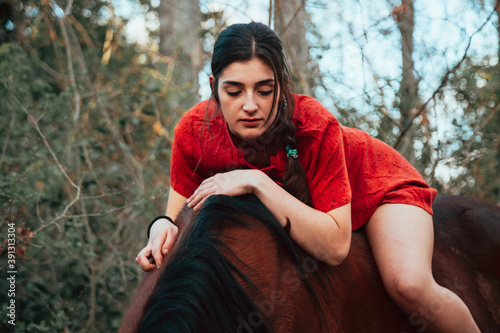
(324, 161)
(185, 157)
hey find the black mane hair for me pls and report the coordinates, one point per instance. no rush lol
(198, 291)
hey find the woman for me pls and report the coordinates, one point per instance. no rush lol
(255, 136)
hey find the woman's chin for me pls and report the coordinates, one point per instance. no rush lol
(249, 135)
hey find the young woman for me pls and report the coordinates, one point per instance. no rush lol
(255, 136)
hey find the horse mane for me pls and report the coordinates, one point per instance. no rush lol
(199, 291)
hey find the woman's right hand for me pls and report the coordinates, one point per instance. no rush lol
(161, 239)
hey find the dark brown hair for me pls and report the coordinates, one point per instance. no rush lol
(243, 42)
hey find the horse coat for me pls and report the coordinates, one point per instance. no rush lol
(234, 269)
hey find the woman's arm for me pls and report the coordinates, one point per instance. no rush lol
(175, 203)
(326, 236)
(162, 234)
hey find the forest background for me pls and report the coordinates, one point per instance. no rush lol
(88, 106)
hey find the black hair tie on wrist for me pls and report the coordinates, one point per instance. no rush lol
(156, 219)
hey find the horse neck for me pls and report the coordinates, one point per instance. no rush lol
(197, 290)
(297, 295)
(278, 283)
(234, 244)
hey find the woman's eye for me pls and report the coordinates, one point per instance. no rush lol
(266, 92)
(233, 93)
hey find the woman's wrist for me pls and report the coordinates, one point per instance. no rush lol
(275, 198)
(257, 181)
(156, 219)
(261, 183)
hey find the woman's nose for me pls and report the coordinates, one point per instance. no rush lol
(250, 104)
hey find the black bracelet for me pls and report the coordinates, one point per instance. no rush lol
(156, 219)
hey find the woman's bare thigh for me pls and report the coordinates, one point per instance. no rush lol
(402, 240)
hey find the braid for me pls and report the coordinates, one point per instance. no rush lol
(294, 180)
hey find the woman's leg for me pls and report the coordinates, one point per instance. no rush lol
(402, 239)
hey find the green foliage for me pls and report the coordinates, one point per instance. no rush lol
(477, 153)
(80, 180)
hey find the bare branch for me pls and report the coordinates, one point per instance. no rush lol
(43, 65)
(83, 33)
(297, 11)
(42, 136)
(69, 59)
(67, 11)
(270, 12)
(479, 127)
(109, 211)
(32, 120)
(6, 143)
(444, 81)
(60, 216)
(129, 157)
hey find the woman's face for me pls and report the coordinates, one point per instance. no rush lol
(246, 91)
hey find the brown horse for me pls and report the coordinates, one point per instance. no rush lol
(234, 269)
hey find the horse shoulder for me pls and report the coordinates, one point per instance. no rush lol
(141, 296)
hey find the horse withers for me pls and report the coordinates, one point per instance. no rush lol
(234, 269)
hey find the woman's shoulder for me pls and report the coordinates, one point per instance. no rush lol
(310, 114)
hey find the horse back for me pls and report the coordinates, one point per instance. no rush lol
(471, 228)
(467, 248)
(345, 298)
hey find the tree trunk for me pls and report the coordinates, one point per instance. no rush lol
(180, 40)
(497, 9)
(408, 90)
(289, 22)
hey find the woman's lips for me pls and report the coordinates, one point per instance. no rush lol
(251, 122)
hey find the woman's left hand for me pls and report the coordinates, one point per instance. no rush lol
(232, 183)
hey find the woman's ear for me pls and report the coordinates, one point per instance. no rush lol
(211, 80)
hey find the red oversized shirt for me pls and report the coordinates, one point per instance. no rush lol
(342, 164)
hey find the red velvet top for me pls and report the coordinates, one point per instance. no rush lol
(342, 164)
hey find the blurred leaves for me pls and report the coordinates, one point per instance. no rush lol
(85, 162)
(86, 122)
(476, 147)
